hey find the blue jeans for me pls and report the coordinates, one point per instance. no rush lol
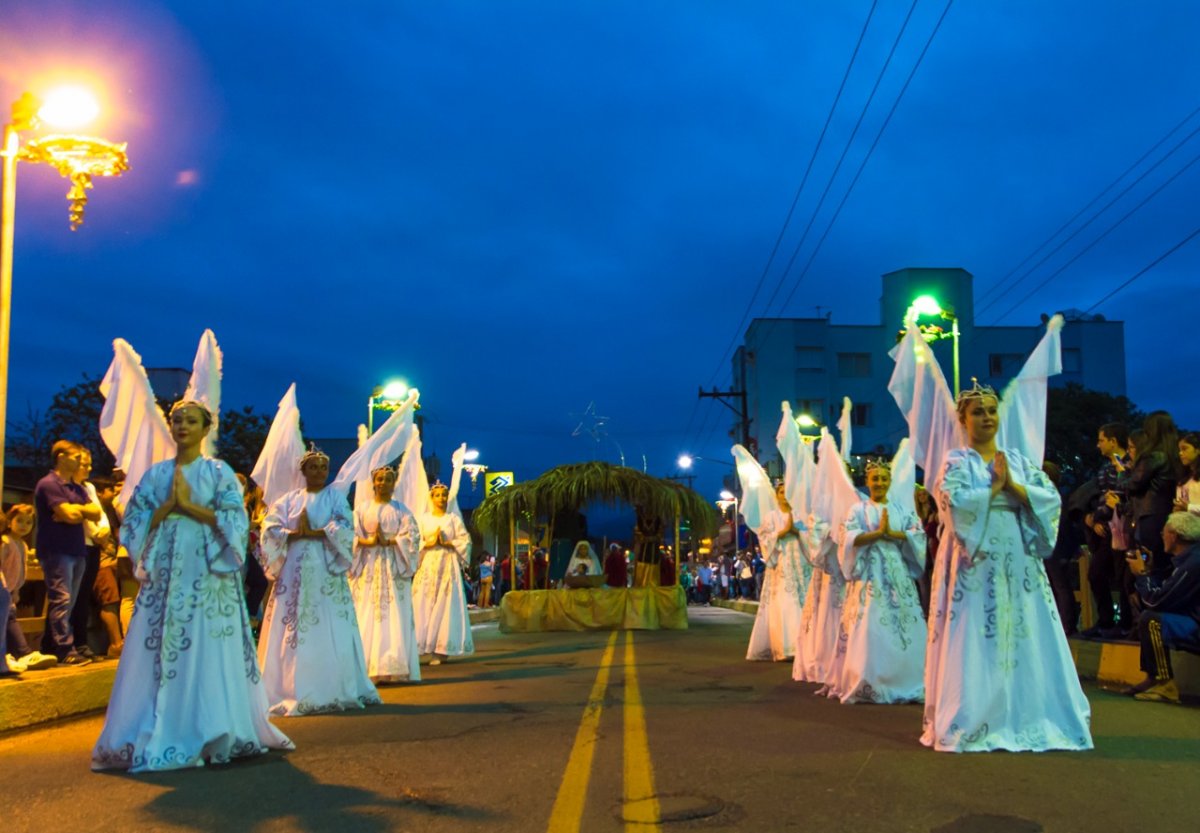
(64, 575)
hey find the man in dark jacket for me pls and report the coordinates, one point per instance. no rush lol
(1171, 614)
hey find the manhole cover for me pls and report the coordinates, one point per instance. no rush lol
(989, 824)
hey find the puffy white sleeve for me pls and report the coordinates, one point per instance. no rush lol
(273, 542)
(460, 539)
(768, 536)
(913, 548)
(225, 541)
(855, 524)
(408, 540)
(1039, 520)
(339, 535)
(964, 497)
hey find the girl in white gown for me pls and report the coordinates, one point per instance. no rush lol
(999, 673)
(439, 598)
(386, 545)
(881, 555)
(785, 582)
(188, 689)
(310, 649)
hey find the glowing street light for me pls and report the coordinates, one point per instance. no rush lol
(686, 461)
(387, 398)
(928, 306)
(78, 158)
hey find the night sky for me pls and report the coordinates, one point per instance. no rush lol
(525, 207)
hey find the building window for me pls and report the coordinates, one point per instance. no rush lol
(1002, 365)
(860, 415)
(810, 360)
(1072, 358)
(854, 365)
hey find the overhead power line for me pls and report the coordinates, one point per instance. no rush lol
(1148, 267)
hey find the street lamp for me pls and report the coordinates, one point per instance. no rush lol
(78, 158)
(686, 461)
(385, 397)
(928, 306)
(729, 499)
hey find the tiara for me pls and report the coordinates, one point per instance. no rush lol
(878, 464)
(976, 391)
(313, 453)
(438, 484)
(378, 469)
(189, 403)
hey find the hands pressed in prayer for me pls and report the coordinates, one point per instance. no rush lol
(305, 529)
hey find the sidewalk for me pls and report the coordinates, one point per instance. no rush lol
(1113, 663)
(43, 696)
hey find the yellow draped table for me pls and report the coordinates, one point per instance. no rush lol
(594, 608)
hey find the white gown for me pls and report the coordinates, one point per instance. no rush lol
(821, 614)
(785, 582)
(188, 689)
(310, 649)
(381, 583)
(999, 673)
(884, 650)
(439, 598)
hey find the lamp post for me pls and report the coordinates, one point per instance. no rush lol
(927, 305)
(729, 499)
(386, 397)
(78, 158)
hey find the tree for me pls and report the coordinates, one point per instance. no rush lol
(74, 414)
(243, 435)
(1073, 416)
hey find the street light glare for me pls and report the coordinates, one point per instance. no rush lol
(805, 421)
(685, 461)
(69, 108)
(471, 456)
(726, 494)
(394, 390)
(927, 305)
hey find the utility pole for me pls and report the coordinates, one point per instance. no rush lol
(723, 396)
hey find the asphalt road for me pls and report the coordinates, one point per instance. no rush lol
(642, 731)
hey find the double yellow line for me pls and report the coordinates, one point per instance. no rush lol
(641, 809)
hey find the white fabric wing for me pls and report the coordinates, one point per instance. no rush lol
(412, 486)
(920, 391)
(277, 471)
(836, 494)
(843, 426)
(131, 423)
(758, 498)
(798, 464)
(205, 385)
(901, 499)
(1023, 405)
(385, 445)
(456, 461)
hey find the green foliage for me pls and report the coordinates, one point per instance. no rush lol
(74, 414)
(243, 435)
(1073, 416)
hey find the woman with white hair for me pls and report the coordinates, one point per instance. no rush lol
(999, 672)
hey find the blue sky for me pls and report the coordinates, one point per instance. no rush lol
(524, 207)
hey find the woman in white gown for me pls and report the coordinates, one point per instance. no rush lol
(386, 544)
(999, 673)
(584, 561)
(310, 650)
(439, 598)
(785, 582)
(188, 690)
(885, 632)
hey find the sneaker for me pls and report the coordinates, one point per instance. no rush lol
(75, 659)
(15, 665)
(85, 652)
(1165, 692)
(1138, 688)
(37, 661)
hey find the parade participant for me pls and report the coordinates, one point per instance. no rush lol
(584, 561)
(999, 672)
(386, 544)
(439, 599)
(616, 567)
(777, 622)
(310, 649)
(188, 690)
(882, 552)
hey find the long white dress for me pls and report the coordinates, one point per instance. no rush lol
(439, 598)
(884, 655)
(188, 689)
(999, 673)
(785, 581)
(310, 650)
(821, 614)
(381, 583)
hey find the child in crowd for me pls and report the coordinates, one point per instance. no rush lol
(14, 552)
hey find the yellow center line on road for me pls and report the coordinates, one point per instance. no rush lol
(642, 812)
(567, 814)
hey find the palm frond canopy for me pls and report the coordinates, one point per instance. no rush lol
(574, 486)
